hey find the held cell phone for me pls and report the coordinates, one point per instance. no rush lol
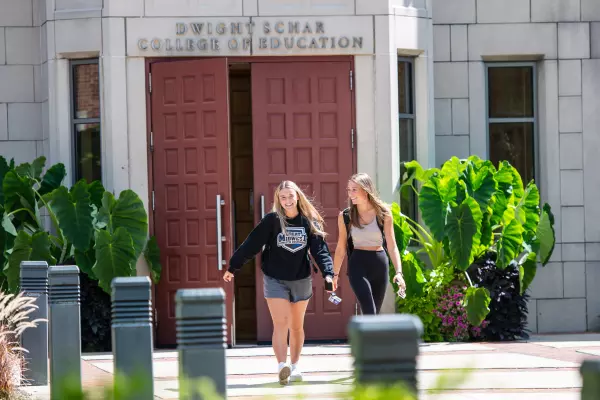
(334, 299)
(402, 293)
(329, 286)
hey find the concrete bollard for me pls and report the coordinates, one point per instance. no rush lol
(34, 283)
(590, 372)
(202, 336)
(385, 348)
(132, 333)
(65, 329)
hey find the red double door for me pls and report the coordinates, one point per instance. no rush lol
(301, 131)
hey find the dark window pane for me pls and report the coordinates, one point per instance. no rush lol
(514, 143)
(408, 199)
(405, 90)
(86, 91)
(87, 152)
(510, 92)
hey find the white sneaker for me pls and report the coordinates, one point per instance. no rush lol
(284, 373)
(296, 374)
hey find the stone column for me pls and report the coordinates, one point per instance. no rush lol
(34, 283)
(385, 348)
(202, 336)
(132, 333)
(590, 372)
(65, 329)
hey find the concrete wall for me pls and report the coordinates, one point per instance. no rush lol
(22, 89)
(563, 36)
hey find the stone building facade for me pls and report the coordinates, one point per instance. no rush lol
(426, 79)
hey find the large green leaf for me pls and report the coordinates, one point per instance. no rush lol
(27, 248)
(114, 257)
(74, 213)
(529, 208)
(453, 167)
(510, 240)
(402, 231)
(434, 200)
(96, 192)
(477, 301)
(487, 235)
(464, 232)
(52, 179)
(152, 256)
(19, 195)
(126, 212)
(481, 185)
(85, 261)
(527, 272)
(545, 234)
(412, 269)
(17, 188)
(33, 170)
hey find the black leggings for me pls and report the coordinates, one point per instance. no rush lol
(368, 273)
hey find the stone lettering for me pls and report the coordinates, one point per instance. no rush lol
(181, 29)
(309, 37)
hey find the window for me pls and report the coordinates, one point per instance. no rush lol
(406, 121)
(85, 83)
(512, 116)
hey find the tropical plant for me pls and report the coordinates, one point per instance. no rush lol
(14, 320)
(469, 208)
(102, 234)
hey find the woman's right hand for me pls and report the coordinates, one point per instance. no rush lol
(335, 283)
(228, 276)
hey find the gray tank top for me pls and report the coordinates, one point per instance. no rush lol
(368, 236)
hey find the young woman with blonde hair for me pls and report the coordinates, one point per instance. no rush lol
(288, 234)
(366, 236)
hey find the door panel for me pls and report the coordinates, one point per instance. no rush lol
(191, 167)
(302, 118)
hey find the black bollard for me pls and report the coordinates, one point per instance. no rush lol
(202, 336)
(132, 333)
(385, 348)
(65, 329)
(34, 283)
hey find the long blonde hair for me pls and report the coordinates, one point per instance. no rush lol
(382, 210)
(305, 208)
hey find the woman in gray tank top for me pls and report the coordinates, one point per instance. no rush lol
(366, 236)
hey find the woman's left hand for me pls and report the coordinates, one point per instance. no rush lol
(399, 279)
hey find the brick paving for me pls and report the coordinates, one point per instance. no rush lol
(544, 368)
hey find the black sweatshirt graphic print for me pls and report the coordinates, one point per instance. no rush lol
(285, 256)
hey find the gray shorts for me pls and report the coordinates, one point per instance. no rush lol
(294, 291)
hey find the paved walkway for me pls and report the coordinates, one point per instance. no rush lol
(544, 368)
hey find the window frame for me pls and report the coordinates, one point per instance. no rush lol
(533, 120)
(78, 121)
(410, 100)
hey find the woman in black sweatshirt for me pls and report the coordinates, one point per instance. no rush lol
(288, 234)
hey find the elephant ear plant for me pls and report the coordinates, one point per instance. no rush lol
(470, 208)
(102, 234)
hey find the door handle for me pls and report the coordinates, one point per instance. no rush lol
(220, 238)
(262, 206)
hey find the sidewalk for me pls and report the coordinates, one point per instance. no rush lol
(543, 368)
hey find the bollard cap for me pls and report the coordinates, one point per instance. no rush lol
(135, 288)
(590, 366)
(385, 337)
(34, 270)
(200, 303)
(408, 326)
(63, 275)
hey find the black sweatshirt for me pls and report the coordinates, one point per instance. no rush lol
(285, 257)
